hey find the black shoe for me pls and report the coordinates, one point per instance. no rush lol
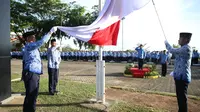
(51, 93)
(56, 91)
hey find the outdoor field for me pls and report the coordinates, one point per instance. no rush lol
(137, 39)
(124, 94)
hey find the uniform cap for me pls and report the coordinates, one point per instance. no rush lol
(185, 35)
(27, 34)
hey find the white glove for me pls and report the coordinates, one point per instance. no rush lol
(166, 42)
(60, 49)
(54, 29)
(172, 74)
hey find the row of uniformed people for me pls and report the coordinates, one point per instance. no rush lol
(87, 55)
(116, 56)
(155, 56)
(195, 57)
(16, 54)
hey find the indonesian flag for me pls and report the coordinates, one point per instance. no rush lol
(104, 30)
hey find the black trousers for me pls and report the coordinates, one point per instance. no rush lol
(140, 63)
(196, 60)
(53, 79)
(31, 82)
(164, 69)
(193, 61)
(23, 72)
(181, 93)
(156, 61)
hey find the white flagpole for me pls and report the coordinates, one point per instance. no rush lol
(100, 47)
(100, 72)
(123, 33)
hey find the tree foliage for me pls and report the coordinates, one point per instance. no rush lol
(77, 16)
(42, 15)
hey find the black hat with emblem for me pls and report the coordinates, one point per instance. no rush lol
(29, 33)
(185, 35)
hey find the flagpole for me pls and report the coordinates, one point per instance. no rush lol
(122, 33)
(100, 47)
(61, 19)
(100, 72)
(159, 20)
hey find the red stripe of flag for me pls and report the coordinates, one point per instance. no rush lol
(107, 36)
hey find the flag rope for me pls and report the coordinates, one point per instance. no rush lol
(159, 20)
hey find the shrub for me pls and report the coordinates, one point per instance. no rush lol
(151, 66)
(152, 73)
(127, 68)
(127, 71)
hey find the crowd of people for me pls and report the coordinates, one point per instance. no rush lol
(116, 56)
(195, 57)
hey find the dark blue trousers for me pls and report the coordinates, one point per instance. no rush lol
(53, 79)
(164, 69)
(181, 93)
(140, 63)
(31, 82)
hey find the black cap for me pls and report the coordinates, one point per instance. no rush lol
(185, 35)
(27, 34)
(53, 40)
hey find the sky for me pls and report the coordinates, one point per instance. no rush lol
(142, 26)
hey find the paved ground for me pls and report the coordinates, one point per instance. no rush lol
(85, 72)
(151, 100)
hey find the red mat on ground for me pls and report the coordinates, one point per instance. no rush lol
(139, 73)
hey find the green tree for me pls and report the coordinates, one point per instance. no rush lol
(20, 19)
(129, 50)
(38, 15)
(89, 46)
(68, 48)
(77, 16)
(42, 15)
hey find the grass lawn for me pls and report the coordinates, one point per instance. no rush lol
(70, 98)
(125, 107)
(15, 76)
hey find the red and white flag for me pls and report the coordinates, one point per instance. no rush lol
(104, 30)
